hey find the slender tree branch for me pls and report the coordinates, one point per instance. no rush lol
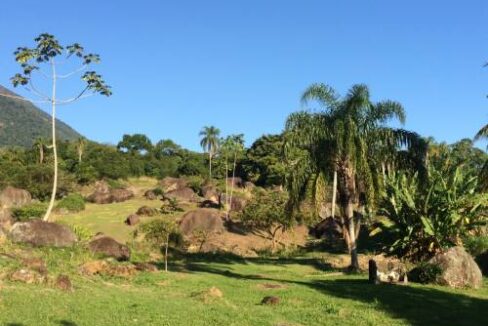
(72, 73)
(73, 99)
(34, 90)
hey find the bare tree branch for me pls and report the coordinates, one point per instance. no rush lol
(72, 73)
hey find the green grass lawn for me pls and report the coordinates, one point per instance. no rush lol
(310, 293)
(309, 296)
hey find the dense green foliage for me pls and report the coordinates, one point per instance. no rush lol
(432, 215)
(266, 213)
(29, 212)
(72, 203)
(350, 142)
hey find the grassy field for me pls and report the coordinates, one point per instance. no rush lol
(309, 296)
(310, 292)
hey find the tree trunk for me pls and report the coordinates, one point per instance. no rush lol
(166, 255)
(226, 189)
(334, 194)
(210, 164)
(347, 190)
(41, 154)
(233, 180)
(55, 153)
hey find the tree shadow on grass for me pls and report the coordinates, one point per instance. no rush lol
(66, 323)
(185, 260)
(417, 305)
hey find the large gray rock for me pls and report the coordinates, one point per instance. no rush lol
(170, 184)
(14, 197)
(184, 194)
(237, 203)
(108, 247)
(203, 219)
(459, 269)
(104, 195)
(40, 233)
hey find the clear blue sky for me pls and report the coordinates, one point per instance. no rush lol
(176, 66)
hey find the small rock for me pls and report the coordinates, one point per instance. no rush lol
(270, 301)
(26, 276)
(132, 219)
(36, 264)
(109, 247)
(146, 211)
(93, 267)
(63, 282)
(146, 267)
(150, 195)
(120, 270)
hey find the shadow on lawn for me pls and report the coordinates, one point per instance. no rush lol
(59, 322)
(418, 305)
(185, 261)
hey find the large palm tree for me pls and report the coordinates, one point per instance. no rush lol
(210, 143)
(349, 142)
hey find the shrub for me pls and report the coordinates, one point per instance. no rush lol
(195, 182)
(161, 234)
(115, 184)
(425, 273)
(29, 212)
(72, 203)
(81, 232)
(476, 245)
(266, 214)
(158, 191)
(430, 215)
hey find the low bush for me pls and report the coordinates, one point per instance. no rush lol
(476, 245)
(425, 273)
(29, 212)
(72, 203)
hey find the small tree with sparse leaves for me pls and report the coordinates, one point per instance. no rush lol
(160, 233)
(44, 59)
(266, 214)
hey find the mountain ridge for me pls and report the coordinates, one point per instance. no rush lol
(21, 122)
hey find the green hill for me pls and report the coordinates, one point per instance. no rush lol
(21, 123)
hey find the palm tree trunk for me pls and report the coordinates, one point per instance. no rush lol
(210, 164)
(347, 189)
(55, 152)
(233, 180)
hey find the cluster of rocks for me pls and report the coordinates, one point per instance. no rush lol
(103, 194)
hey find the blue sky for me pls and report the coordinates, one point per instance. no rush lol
(176, 66)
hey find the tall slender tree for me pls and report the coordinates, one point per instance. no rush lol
(210, 144)
(40, 145)
(347, 138)
(237, 142)
(80, 147)
(45, 59)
